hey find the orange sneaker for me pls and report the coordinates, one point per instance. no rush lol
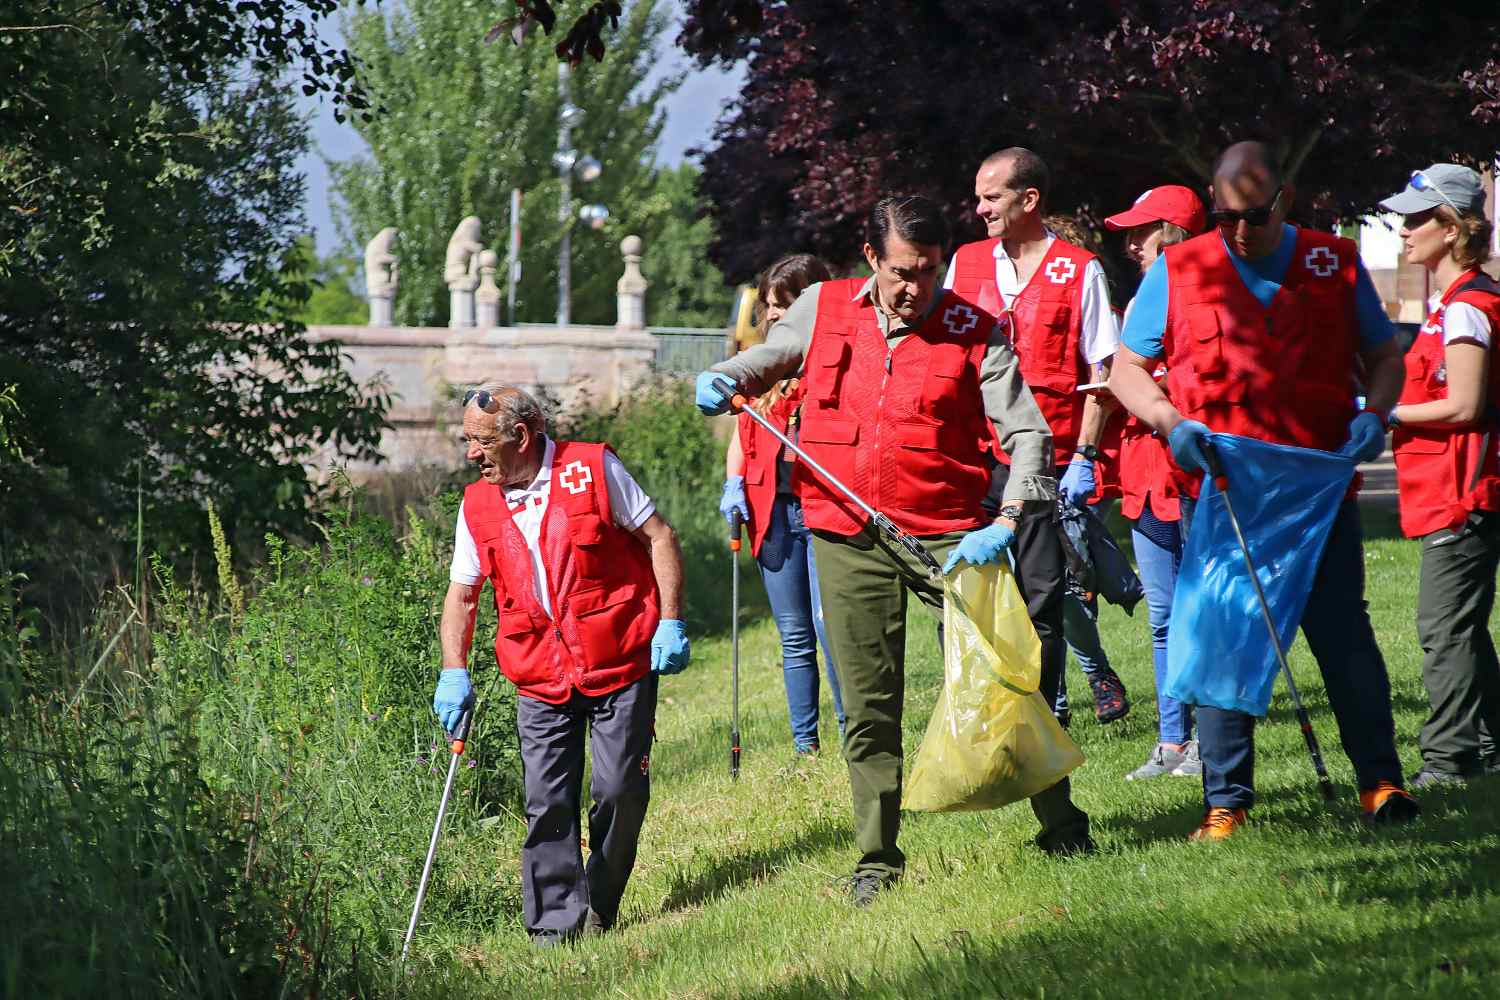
(1219, 823)
(1388, 803)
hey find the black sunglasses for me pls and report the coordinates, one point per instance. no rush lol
(479, 396)
(1250, 216)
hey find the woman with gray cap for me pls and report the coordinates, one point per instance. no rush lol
(1446, 443)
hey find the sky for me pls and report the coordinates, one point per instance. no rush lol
(690, 115)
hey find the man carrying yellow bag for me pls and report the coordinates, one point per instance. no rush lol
(992, 739)
(907, 390)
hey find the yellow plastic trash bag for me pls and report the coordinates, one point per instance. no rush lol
(992, 739)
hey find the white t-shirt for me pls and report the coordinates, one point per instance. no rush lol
(1099, 332)
(1462, 321)
(629, 504)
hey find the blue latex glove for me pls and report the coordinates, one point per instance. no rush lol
(1366, 438)
(714, 392)
(1186, 441)
(669, 647)
(980, 546)
(454, 694)
(734, 500)
(1078, 482)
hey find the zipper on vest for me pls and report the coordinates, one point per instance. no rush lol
(875, 476)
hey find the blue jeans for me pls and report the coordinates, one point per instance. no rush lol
(1337, 627)
(1158, 567)
(1081, 633)
(791, 578)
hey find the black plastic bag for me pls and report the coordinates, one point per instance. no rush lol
(1095, 563)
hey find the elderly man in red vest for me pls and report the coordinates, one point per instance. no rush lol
(1056, 300)
(1262, 325)
(905, 386)
(587, 578)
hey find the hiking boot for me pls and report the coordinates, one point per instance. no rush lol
(1110, 702)
(1192, 763)
(1219, 823)
(865, 886)
(1429, 778)
(1387, 803)
(1163, 760)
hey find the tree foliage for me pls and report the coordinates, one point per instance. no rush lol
(846, 102)
(467, 122)
(685, 289)
(332, 296)
(149, 196)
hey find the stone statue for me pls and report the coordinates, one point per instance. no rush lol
(461, 266)
(461, 271)
(382, 275)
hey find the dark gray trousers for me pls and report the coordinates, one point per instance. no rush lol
(1459, 667)
(558, 891)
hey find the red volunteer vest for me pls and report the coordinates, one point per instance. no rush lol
(1046, 321)
(1443, 473)
(604, 601)
(1282, 373)
(1146, 470)
(762, 453)
(904, 429)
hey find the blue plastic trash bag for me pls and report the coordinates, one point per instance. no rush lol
(1219, 652)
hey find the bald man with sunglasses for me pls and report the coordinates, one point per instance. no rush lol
(1262, 326)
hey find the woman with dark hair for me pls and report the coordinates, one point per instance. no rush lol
(1446, 441)
(758, 487)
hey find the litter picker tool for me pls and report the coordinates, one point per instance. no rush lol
(456, 745)
(885, 524)
(734, 645)
(1216, 470)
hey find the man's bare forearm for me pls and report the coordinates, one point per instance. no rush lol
(660, 539)
(456, 630)
(1131, 383)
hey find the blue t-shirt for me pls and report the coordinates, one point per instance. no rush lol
(1147, 323)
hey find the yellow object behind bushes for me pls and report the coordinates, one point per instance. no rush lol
(992, 739)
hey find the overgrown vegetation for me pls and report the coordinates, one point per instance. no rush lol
(236, 800)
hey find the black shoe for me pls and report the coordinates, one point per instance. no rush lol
(865, 886)
(1064, 717)
(1433, 779)
(1069, 847)
(545, 940)
(1110, 701)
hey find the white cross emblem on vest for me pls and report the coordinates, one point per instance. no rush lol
(959, 319)
(1321, 261)
(576, 477)
(1061, 271)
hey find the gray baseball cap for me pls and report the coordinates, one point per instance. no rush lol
(1449, 184)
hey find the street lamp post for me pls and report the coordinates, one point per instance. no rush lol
(588, 169)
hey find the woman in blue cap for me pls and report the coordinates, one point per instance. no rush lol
(1446, 439)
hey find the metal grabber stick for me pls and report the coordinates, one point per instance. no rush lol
(885, 524)
(734, 646)
(456, 745)
(1216, 470)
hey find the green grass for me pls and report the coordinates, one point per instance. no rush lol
(736, 892)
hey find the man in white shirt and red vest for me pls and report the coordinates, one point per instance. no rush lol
(1054, 298)
(587, 579)
(905, 388)
(1262, 326)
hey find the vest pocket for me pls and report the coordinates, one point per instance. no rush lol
(610, 624)
(827, 366)
(824, 431)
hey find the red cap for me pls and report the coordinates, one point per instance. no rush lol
(1169, 203)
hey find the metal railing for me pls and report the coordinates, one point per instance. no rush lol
(686, 350)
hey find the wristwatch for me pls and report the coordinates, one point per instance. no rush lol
(1088, 451)
(1012, 511)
